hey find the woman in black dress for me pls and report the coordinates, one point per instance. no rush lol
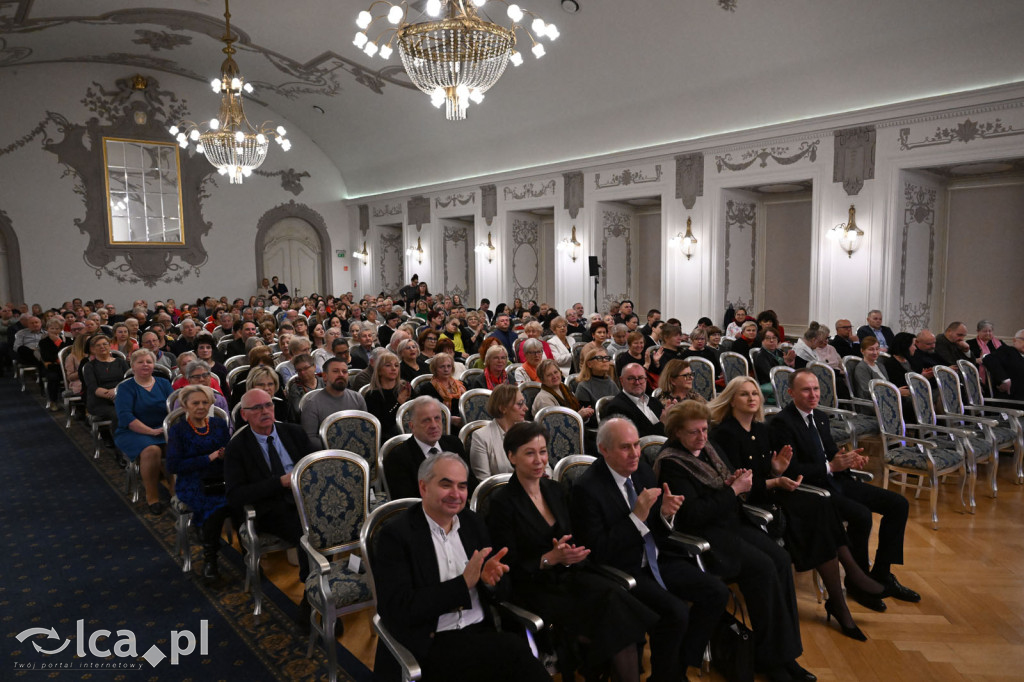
(740, 552)
(386, 393)
(100, 375)
(549, 574)
(814, 533)
(412, 367)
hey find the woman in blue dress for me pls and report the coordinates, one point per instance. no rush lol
(195, 454)
(141, 407)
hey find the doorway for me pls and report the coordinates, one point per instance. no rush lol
(292, 252)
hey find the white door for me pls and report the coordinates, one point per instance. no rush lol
(292, 253)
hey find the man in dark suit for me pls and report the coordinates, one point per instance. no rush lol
(243, 332)
(257, 470)
(361, 353)
(844, 341)
(817, 458)
(1006, 364)
(428, 568)
(615, 513)
(633, 403)
(428, 438)
(875, 328)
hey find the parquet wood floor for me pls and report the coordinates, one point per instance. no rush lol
(968, 626)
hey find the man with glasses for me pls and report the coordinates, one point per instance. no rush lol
(845, 341)
(633, 403)
(257, 470)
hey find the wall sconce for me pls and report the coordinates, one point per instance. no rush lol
(848, 235)
(364, 255)
(571, 246)
(486, 249)
(416, 253)
(686, 242)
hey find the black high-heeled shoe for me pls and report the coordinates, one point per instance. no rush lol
(853, 632)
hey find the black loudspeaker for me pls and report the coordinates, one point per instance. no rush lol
(594, 267)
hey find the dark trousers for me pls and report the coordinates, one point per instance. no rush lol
(54, 382)
(855, 502)
(669, 632)
(707, 595)
(479, 653)
(214, 523)
(282, 520)
(27, 356)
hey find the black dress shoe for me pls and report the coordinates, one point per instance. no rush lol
(156, 509)
(866, 599)
(798, 673)
(778, 674)
(896, 591)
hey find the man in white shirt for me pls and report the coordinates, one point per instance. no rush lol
(434, 571)
(633, 403)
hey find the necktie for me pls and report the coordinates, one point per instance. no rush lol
(650, 551)
(433, 451)
(815, 436)
(275, 460)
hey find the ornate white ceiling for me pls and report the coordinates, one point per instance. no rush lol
(624, 74)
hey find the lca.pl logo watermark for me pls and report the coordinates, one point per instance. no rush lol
(99, 644)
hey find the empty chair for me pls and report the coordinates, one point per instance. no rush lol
(781, 377)
(978, 404)
(467, 431)
(359, 432)
(473, 404)
(530, 389)
(650, 446)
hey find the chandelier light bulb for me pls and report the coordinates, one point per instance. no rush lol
(370, 49)
(553, 31)
(261, 139)
(214, 124)
(173, 130)
(236, 84)
(479, 3)
(437, 97)
(476, 95)
(385, 51)
(538, 50)
(538, 26)
(360, 40)
(200, 149)
(246, 172)
(514, 13)
(281, 131)
(247, 87)
(239, 136)
(222, 170)
(215, 84)
(462, 91)
(364, 19)
(394, 15)
(286, 145)
(194, 135)
(433, 7)
(183, 144)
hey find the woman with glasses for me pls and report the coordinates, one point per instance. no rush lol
(305, 381)
(494, 374)
(197, 373)
(507, 407)
(596, 378)
(676, 383)
(266, 379)
(427, 340)
(532, 351)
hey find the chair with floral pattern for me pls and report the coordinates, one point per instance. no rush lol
(703, 377)
(473, 404)
(468, 429)
(359, 432)
(404, 416)
(1010, 411)
(650, 446)
(780, 377)
(565, 431)
(733, 365)
(332, 495)
(919, 457)
(847, 426)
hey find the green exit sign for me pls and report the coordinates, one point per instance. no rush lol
(341, 254)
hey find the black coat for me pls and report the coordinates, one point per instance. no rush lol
(248, 477)
(622, 406)
(1004, 363)
(402, 464)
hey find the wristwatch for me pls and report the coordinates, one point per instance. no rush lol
(544, 563)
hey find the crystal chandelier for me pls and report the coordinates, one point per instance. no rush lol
(456, 54)
(233, 145)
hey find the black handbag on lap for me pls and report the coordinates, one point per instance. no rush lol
(732, 649)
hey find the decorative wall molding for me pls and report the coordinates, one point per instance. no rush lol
(291, 179)
(780, 154)
(952, 114)
(389, 260)
(919, 204)
(418, 212)
(616, 226)
(387, 210)
(80, 151)
(488, 202)
(14, 278)
(572, 194)
(525, 256)
(740, 215)
(307, 214)
(453, 199)
(530, 190)
(456, 253)
(628, 177)
(161, 40)
(690, 178)
(853, 161)
(364, 219)
(965, 131)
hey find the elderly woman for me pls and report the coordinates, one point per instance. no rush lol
(141, 407)
(634, 352)
(475, 331)
(195, 454)
(769, 358)
(533, 352)
(445, 387)
(49, 348)
(561, 345)
(596, 378)
(699, 349)
(814, 533)
(534, 330)
(676, 384)
(266, 379)
(386, 393)
(494, 375)
(598, 334)
(554, 393)
(746, 340)
(740, 552)
(550, 574)
(306, 380)
(197, 373)
(620, 339)
(487, 452)
(981, 345)
(446, 346)
(409, 354)
(205, 351)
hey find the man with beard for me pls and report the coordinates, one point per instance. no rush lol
(335, 396)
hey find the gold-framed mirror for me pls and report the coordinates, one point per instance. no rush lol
(143, 182)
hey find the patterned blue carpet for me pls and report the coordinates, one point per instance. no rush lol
(83, 577)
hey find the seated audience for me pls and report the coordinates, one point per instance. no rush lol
(633, 403)
(205, 351)
(554, 393)
(141, 405)
(412, 365)
(533, 352)
(676, 384)
(426, 423)
(735, 326)
(335, 397)
(699, 348)
(486, 453)
(806, 347)
(197, 373)
(981, 345)
(387, 392)
(634, 352)
(951, 346)
(494, 374)
(596, 378)
(845, 341)
(770, 357)
(768, 318)
(266, 379)
(875, 328)
(49, 347)
(1006, 366)
(100, 376)
(305, 381)
(73, 364)
(747, 339)
(924, 357)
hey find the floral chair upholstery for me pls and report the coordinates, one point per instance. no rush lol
(473, 404)
(703, 377)
(780, 377)
(733, 365)
(565, 431)
(481, 501)
(404, 417)
(650, 446)
(1009, 411)
(332, 494)
(467, 431)
(906, 456)
(847, 426)
(571, 468)
(530, 389)
(355, 431)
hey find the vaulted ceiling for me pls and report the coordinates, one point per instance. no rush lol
(624, 74)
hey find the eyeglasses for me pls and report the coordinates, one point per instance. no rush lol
(602, 358)
(263, 406)
(303, 368)
(520, 403)
(685, 375)
(636, 380)
(204, 375)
